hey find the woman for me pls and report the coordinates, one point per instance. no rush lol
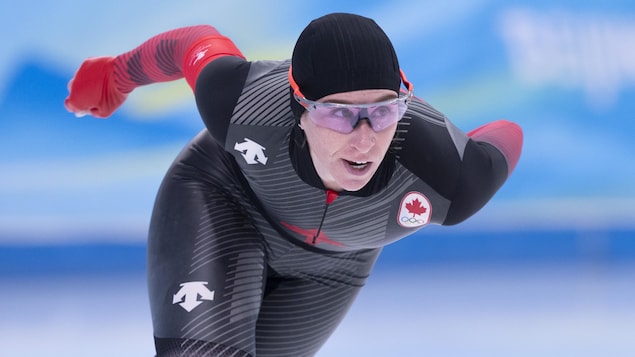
(269, 221)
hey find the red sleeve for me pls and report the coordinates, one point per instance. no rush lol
(172, 55)
(506, 136)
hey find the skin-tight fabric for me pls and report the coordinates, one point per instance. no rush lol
(271, 298)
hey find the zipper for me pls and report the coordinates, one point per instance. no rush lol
(330, 197)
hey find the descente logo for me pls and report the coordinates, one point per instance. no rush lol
(192, 294)
(252, 152)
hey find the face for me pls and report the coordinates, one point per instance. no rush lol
(348, 161)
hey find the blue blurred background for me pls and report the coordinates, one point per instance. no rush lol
(547, 268)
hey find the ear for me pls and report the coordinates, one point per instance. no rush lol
(302, 118)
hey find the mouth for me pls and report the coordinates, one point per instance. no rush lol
(357, 165)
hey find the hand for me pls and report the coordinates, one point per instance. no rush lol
(93, 90)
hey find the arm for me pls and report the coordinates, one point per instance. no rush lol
(489, 158)
(467, 170)
(102, 84)
(506, 136)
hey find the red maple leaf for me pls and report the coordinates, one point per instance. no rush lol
(415, 207)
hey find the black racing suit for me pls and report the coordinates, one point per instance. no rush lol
(249, 255)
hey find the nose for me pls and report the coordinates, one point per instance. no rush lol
(363, 136)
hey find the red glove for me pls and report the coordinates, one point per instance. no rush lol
(93, 89)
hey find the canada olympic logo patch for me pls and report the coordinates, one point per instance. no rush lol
(415, 210)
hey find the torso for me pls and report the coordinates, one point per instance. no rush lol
(259, 138)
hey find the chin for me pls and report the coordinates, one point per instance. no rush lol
(354, 186)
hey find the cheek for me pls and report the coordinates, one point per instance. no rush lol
(387, 140)
(323, 146)
(323, 142)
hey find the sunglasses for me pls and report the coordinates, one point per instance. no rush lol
(344, 118)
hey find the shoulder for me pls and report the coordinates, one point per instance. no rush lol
(425, 130)
(226, 78)
(265, 98)
(230, 90)
(224, 71)
(218, 87)
(263, 69)
(430, 146)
